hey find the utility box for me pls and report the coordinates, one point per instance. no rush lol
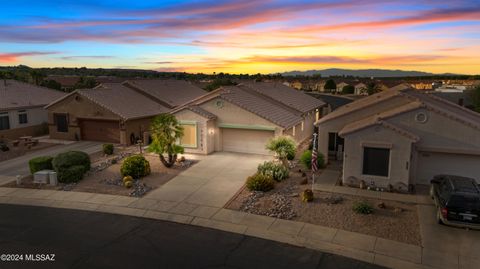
(41, 177)
(53, 178)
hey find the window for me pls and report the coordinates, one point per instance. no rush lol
(61, 121)
(376, 161)
(22, 117)
(4, 121)
(189, 139)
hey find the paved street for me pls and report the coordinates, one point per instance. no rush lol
(19, 166)
(82, 239)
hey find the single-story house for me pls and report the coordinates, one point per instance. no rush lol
(243, 118)
(401, 137)
(116, 112)
(341, 85)
(22, 110)
(360, 89)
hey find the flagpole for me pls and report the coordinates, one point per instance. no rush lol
(313, 149)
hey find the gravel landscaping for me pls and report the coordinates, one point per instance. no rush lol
(391, 220)
(104, 175)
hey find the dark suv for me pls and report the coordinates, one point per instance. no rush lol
(457, 200)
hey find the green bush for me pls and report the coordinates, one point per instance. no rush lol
(259, 182)
(362, 208)
(291, 155)
(275, 170)
(307, 195)
(71, 174)
(306, 159)
(40, 163)
(135, 166)
(283, 146)
(108, 149)
(68, 159)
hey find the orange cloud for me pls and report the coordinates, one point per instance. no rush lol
(13, 57)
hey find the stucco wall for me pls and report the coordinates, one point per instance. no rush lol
(337, 124)
(35, 116)
(76, 106)
(377, 136)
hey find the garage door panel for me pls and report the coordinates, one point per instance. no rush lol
(430, 164)
(245, 141)
(104, 131)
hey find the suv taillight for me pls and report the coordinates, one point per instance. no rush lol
(444, 212)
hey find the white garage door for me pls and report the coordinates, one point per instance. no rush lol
(245, 141)
(430, 164)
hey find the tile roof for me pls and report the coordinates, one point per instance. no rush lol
(353, 127)
(285, 95)
(335, 101)
(263, 107)
(15, 94)
(123, 101)
(202, 112)
(170, 91)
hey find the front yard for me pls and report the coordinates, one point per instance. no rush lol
(390, 219)
(105, 177)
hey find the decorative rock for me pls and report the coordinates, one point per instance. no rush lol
(382, 205)
(398, 210)
(304, 174)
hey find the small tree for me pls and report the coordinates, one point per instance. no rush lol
(330, 85)
(348, 89)
(166, 131)
(372, 88)
(282, 146)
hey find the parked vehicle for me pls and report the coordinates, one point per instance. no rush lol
(457, 199)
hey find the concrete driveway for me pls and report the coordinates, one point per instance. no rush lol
(447, 247)
(207, 185)
(19, 166)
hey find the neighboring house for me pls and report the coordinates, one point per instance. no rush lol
(296, 85)
(116, 112)
(422, 85)
(68, 82)
(243, 118)
(341, 85)
(319, 86)
(333, 101)
(360, 89)
(21, 108)
(402, 137)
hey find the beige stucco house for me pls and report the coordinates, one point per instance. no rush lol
(401, 137)
(22, 110)
(116, 112)
(243, 118)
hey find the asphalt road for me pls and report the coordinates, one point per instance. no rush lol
(82, 239)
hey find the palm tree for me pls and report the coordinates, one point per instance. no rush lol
(166, 131)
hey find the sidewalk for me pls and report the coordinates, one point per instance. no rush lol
(354, 245)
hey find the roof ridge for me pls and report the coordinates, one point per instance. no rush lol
(276, 102)
(131, 85)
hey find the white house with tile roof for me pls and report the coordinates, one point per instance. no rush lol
(401, 137)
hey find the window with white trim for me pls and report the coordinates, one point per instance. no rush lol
(22, 117)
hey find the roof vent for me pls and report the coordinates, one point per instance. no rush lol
(421, 117)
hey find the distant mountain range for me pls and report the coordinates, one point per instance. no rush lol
(361, 73)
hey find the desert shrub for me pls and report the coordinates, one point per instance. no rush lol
(40, 163)
(362, 207)
(127, 178)
(282, 146)
(108, 149)
(71, 174)
(275, 170)
(307, 195)
(135, 166)
(71, 158)
(128, 184)
(259, 182)
(306, 159)
(291, 155)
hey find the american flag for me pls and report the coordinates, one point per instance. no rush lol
(314, 155)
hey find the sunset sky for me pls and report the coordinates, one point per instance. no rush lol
(243, 36)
